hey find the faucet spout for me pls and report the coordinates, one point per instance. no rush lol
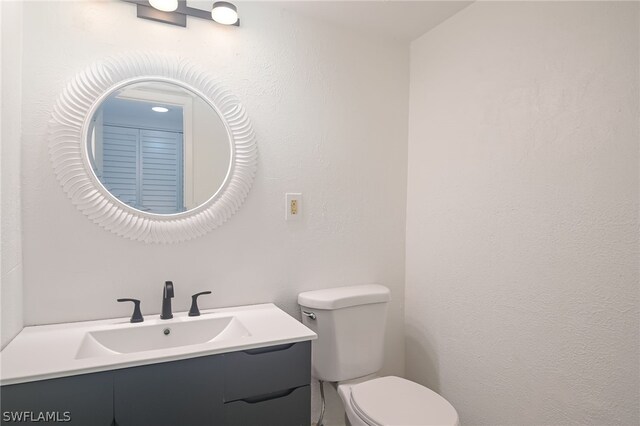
(167, 295)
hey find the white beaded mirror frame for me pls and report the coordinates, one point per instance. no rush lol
(68, 148)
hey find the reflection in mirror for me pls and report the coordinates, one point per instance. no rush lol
(158, 147)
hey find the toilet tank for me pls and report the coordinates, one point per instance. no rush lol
(350, 324)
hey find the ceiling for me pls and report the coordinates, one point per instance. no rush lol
(393, 19)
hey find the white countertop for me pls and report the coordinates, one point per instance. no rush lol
(49, 351)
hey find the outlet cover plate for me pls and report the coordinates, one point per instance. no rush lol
(293, 205)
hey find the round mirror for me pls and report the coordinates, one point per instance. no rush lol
(158, 147)
(152, 148)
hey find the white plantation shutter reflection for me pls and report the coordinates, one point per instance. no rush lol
(161, 177)
(120, 163)
(143, 168)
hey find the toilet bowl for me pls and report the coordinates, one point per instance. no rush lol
(394, 401)
(350, 324)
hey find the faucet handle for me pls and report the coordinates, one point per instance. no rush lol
(137, 315)
(168, 289)
(194, 311)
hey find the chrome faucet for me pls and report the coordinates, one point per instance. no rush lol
(167, 295)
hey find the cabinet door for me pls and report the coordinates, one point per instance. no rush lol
(85, 400)
(186, 392)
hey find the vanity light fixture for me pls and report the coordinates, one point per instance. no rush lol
(160, 109)
(175, 12)
(224, 13)
(164, 5)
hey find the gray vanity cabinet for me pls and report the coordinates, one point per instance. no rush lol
(262, 387)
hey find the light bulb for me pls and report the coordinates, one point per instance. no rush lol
(164, 5)
(160, 109)
(224, 13)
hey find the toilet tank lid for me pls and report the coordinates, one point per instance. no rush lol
(343, 297)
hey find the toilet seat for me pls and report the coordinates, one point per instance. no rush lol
(393, 401)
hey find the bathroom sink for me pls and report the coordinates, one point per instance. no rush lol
(125, 339)
(61, 350)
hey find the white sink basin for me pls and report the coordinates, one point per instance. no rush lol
(126, 339)
(59, 350)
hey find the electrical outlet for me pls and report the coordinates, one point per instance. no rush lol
(293, 205)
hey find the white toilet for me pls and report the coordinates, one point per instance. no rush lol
(350, 323)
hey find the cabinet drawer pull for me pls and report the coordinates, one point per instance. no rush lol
(258, 351)
(267, 397)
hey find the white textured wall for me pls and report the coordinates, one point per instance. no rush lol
(522, 219)
(10, 121)
(330, 113)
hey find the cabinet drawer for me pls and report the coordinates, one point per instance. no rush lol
(287, 408)
(266, 370)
